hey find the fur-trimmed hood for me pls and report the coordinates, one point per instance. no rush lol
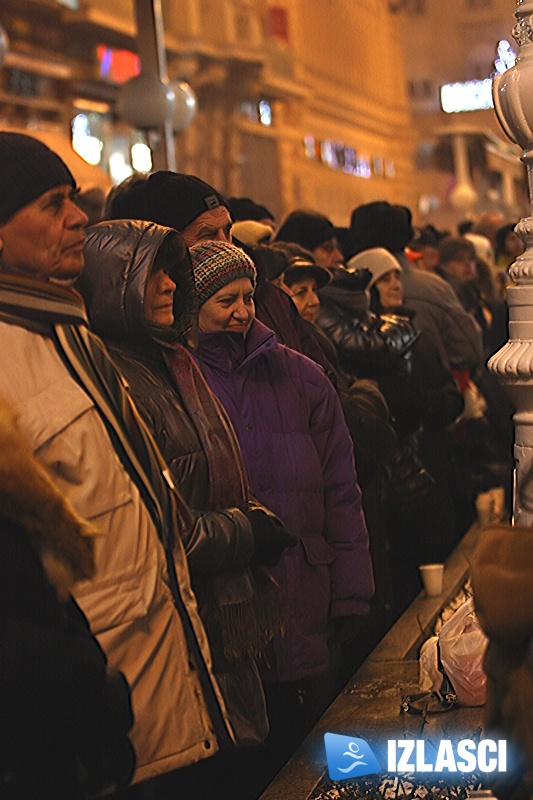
(28, 498)
(119, 256)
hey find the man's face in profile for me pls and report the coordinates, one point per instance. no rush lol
(44, 239)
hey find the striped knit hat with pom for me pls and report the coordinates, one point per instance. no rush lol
(215, 264)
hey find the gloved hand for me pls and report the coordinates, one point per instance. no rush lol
(270, 536)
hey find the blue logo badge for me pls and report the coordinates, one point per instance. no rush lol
(349, 757)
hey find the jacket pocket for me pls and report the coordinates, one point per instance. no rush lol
(71, 440)
(112, 601)
(317, 551)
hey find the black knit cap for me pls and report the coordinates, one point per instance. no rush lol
(167, 198)
(380, 224)
(244, 208)
(309, 229)
(28, 169)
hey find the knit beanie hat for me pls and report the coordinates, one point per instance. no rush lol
(377, 261)
(215, 264)
(28, 169)
(381, 224)
(242, 208)
(251, 232)
(306, 228)
(172, 199)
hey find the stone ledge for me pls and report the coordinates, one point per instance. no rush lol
(369, 705)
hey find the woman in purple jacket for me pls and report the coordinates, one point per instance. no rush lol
(299, 458)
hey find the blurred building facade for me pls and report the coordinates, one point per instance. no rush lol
(319, 103)
(455, 45)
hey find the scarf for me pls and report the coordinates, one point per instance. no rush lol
(58, 312)
(248, 600)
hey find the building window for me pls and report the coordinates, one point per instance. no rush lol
(258, 111)
(420, 90)
(477, 5)
(24, 84)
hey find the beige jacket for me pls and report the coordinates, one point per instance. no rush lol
(128, 603)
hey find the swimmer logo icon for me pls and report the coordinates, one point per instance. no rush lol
(349, 757)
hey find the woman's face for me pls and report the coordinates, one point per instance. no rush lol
(390, 290)
(159, 298)
(328, 254)
(230, 309)
(305, 298)
(462, 267)
(514, 246)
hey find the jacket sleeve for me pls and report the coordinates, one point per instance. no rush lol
(453, 328)
(214, 541)
(352, 580)
(463, 334)
(218, 541)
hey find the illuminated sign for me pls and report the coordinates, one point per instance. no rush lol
(469, 96)
(476, 95)
(336, 155)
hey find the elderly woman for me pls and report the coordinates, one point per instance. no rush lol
(299, 459)
(139, 292)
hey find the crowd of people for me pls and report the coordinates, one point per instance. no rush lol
(227, 444)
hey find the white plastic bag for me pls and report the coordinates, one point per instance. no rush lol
(429, 677)
(462, 646)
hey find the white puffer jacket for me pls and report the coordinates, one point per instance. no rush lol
(129, 603)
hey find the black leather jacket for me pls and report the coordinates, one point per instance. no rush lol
(219, 543)
(368, 346)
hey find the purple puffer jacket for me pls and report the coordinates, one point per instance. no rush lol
(299, 458)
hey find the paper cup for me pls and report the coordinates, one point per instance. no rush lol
(432, 577)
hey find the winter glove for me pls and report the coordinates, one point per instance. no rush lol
(270, 537)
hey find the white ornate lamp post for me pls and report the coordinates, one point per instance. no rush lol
(513, 364)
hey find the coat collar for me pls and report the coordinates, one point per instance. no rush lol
(226, 351)
(30, 302)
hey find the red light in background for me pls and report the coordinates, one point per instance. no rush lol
(117, 65)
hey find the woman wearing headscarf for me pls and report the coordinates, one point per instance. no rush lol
(140, 298)
(299, 459)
